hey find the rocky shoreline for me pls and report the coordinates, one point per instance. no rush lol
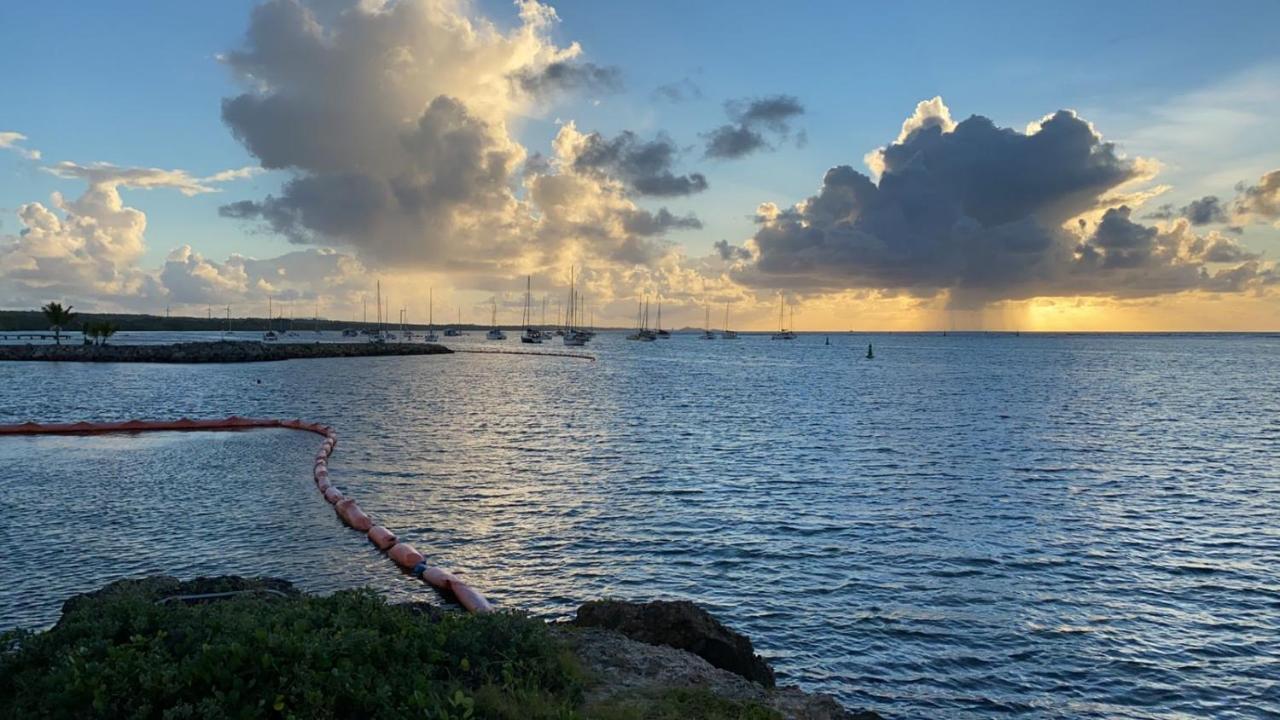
(238, 351)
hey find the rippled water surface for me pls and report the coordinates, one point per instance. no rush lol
(967, 526)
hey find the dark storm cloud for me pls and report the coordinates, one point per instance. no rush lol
(773, 113)
(979, 211)
(568, 76)
(733, 141)
(731, 252)
(643, 222)
(644, 165)
(752, 118)
(677, 92)
(1205, 211)
(448, 159)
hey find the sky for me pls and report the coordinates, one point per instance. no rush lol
(1093, 166)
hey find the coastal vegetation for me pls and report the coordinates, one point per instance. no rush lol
(346, 655)
(99, 331)
(58, 317)
(237, 648)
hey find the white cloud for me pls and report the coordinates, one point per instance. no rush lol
(106, 175)
(11, 141)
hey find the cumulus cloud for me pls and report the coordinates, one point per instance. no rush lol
(985, 213)
(189, 279)
(13, 141)
(1261, 201)
(645, 164)
(90, 250)
(392, 121)
(752, 119)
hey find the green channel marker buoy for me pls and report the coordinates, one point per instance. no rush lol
(870, 354)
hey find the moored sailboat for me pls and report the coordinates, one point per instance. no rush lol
(531, 335)
(494, 332)
(783, 333)
(728, 334)
(431, 317)
(269, 335)
(574, 336)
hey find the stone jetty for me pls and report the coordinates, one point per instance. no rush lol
(212, 352)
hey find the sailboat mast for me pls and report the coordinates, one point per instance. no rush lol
(570, 315)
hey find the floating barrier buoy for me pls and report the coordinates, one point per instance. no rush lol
(402, 554)
(383, 538)
(352, 515)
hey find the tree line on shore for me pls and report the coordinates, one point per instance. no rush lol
(59, 318)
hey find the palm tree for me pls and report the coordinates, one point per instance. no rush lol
(106, 329)
(58, 317)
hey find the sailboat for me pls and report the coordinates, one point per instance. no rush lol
(662, 334)
(706, 323)
(728, 334)
(574, 336)
(378, 336)
(531, 335)
(384, 319)
(783, 333)
(405, 333)
(643, 333)
(431, 317)
(269, 335)
(494, 333)
(455, 331)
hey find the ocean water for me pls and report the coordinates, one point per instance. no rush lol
(966, 526)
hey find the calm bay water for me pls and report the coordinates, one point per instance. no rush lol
(967, 526)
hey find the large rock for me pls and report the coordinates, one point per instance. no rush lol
(622, 668)
(163, 588)
(681, 625)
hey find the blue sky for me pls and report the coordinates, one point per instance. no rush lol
(138, 84)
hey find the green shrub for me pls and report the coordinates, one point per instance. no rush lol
(348, 655)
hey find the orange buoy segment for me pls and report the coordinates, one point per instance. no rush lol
(469, 598)
(382, 537)
(404, 555)
(352, 515)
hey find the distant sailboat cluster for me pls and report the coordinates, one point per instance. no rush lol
(575, 325)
